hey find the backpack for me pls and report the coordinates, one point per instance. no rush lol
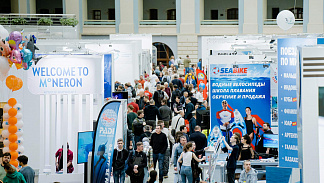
(133, 93)
(138, 127)
(136, 161)
(165, 80)
(160, 96)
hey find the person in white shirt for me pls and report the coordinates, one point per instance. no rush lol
(178, 119)
(139, 89)
(199, 95)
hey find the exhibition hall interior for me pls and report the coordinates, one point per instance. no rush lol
(173, 91)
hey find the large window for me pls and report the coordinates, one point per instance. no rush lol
(232, 14)
(48, 7)
(153, 14)
(274, 7)
(171, 14)
(106, 9)
(298, 12)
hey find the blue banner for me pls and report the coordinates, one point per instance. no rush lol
(107, 75)
(103, 143)
(287, 99)
(241, 86)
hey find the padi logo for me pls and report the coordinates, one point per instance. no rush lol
(201, 76)
(228, 70)
(109, 118)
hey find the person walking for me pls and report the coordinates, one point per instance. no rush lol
(186, 63)
(27, 171)
(231, 160)
(159, 144)
(137, 161)
(12, 175)
(199, 138)
(120, 155)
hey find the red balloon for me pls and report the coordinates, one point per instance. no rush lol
(14, 154)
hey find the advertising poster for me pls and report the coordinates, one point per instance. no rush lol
(85, 144)
(107, 75)
(103, 143)
(239, 86)
(321, 129)
(287, 99)
(202, 82)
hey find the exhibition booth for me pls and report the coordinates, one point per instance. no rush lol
(64, 94)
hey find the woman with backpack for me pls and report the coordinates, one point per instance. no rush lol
(186, 158)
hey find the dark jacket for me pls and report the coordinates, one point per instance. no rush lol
(189, 108)
(146, 134)
(194, 101)
(166, 113)
(260, 148)
(175, 93)
(159, 143)
(119, 158)
(177, 82)
(200, 140)
(151, 112)
(231, 162)
(140, 103)
(156, 98)
(192, 125)
(141, 165)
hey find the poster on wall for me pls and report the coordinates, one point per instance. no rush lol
(103, 143)
(287, 99)
(107, 75)
(233, 88)
(321, 129)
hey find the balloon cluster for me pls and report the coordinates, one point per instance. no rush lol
(12, 130)
(16, 49)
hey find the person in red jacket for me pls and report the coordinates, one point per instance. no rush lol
(133, 103)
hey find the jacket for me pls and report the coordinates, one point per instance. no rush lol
(151, 112)
(250, 177)
(189, 108)
(15, 177)
(186, 62)
(165, 112)
(119, 158)
(200, 140)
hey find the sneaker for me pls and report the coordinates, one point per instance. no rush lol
(165, 177)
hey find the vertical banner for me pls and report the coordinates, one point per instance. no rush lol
(107, 75)
(202, 82)
(287, 99)
(103, 143)
(241, 86)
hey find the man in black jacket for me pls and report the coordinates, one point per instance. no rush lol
(158, 96)
(199, 138)
(118, 163)
(166, 113)
(150, 114)
(136, 164)
(177, 82)
(159, 144)
(259, 147)
(189, 108)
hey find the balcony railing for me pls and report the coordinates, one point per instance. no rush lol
(99, 22)
(274, 22)
(158, 22)
(32, 19)
(219, 22)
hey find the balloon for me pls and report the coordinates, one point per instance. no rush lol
(14, 154)
(27, 57)
(20, 141)
(4, 66)
(20, 133)
(6, 149)
(5, 133)
(12, 129)
(285, 19)
(13, 137)
(18, 107)
(13, 146)
(3, 32)
(4, 48)
(15, 56)
(5, 125)
(12, 120)
(5, 116)
(12, 101)
(21, 149)
(15, 38)
(14, 83)
(6, 143)
(6, 107)
(14, 162)
(19, 115)
(12, 112)
(20, 124)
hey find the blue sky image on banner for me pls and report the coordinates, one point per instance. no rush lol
(243, 85)
(104, 141)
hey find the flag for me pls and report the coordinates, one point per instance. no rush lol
(202, 82)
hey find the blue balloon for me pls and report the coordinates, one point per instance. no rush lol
(202, 85)
(27, 57)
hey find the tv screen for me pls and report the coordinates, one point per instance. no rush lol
(120, 95)
(270, 141)
(85, 141)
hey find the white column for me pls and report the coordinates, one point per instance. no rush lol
(187, 25)
(126, 25)
(250, 25)
(315, 23)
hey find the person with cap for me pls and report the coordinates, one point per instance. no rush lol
(225, 117)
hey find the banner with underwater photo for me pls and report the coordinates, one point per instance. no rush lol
(103, 142)
(232, 89)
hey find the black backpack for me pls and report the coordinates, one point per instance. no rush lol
(138, 127)
(133, 93)
(160, 96)
(165, 80)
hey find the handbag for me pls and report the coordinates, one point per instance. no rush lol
(173, 131)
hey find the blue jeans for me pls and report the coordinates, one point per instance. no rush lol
(187, 70)
(146, 175)
(159, 157)
(119, 176)
(177, 67)
(186, 172)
